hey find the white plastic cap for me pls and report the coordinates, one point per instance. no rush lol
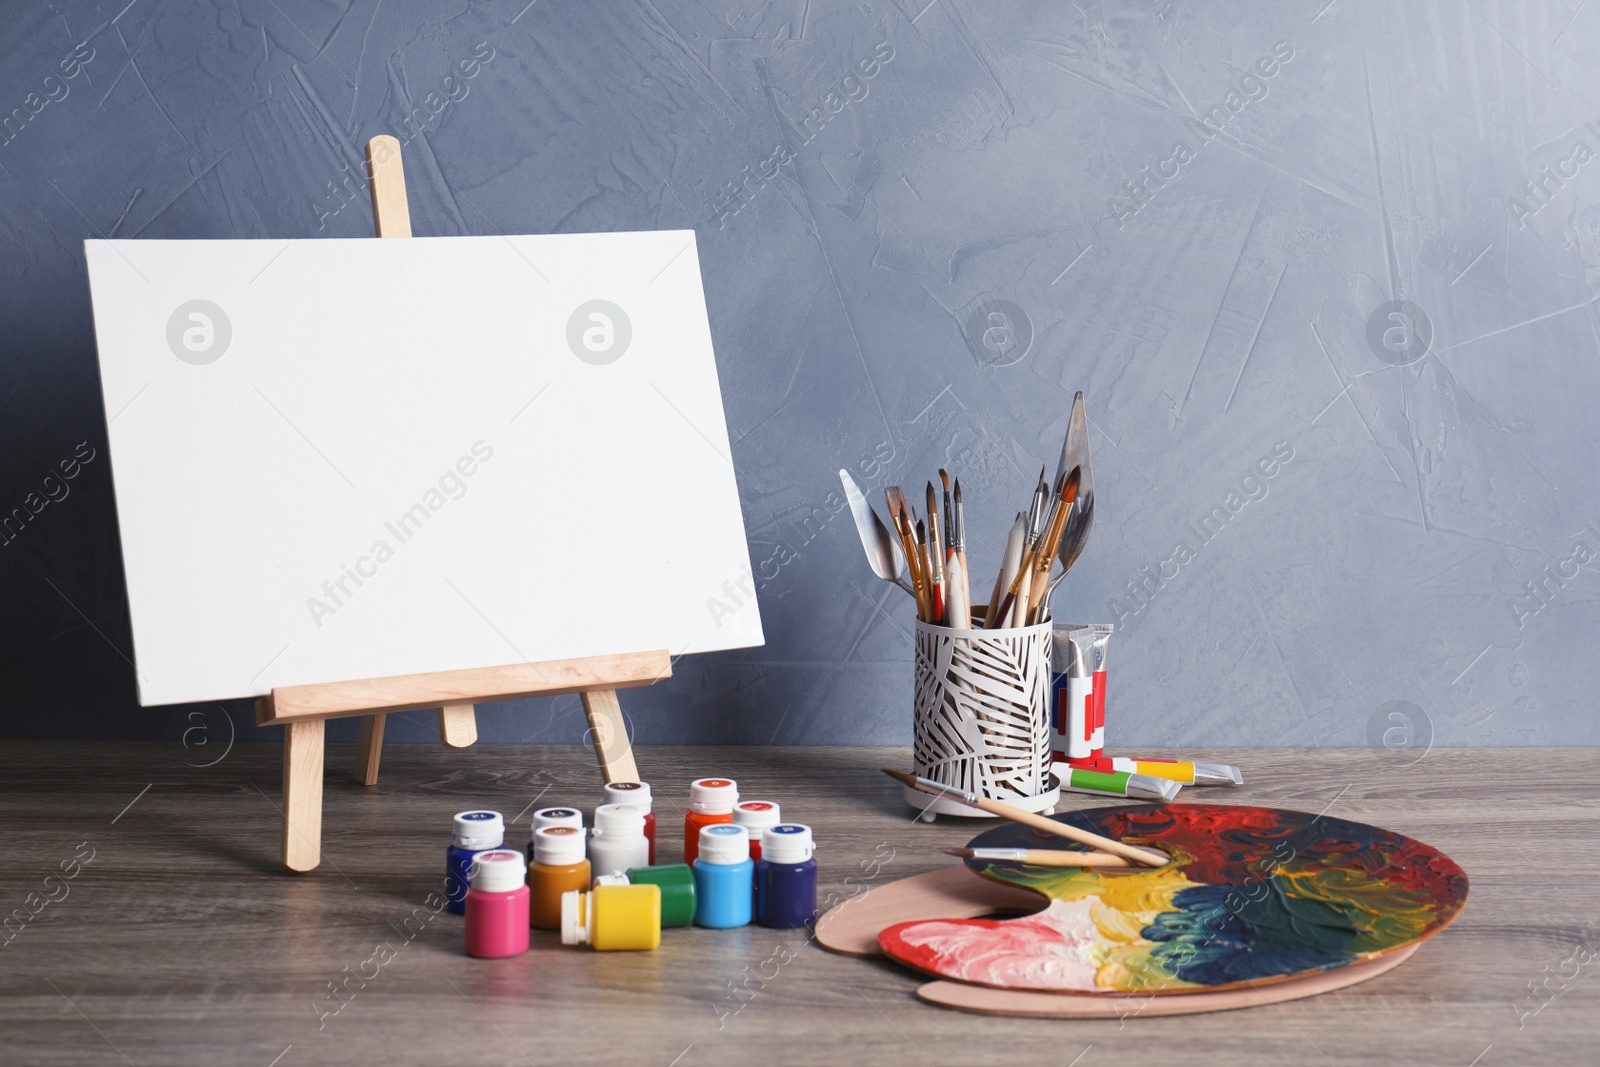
(724, 843)
(557, 817)
(618, 820)
(498, 871)
(635, 793)
(789, 842)
(574, 917)
(612, 879)
(756, 815)
(557, 846)
(713, 796)
(479, 829)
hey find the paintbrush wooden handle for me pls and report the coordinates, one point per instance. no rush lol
(958, 611)
(1045, 858)
(1014, 595)
(935, 607)
(1011, 558)
(966, 584)
(1143, 857)
(908, 544)
(1040, 857)
(993, 610)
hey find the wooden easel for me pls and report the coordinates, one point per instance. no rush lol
(303, 709)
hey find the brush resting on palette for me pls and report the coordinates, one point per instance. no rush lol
(1251, 895)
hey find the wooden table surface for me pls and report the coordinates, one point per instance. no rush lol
(181, 940)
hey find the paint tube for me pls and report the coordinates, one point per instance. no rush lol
(1072, 690)
(1078, 658)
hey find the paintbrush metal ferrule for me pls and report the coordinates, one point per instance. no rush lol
(949, 515)
(938, 789)
(1042, 857)
(1041, 494)
(993, 855)
(958, 521)
(928, 785)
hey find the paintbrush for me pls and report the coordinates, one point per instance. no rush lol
(958, 611)
(949, 517)
(908, 544)
(936, 555)
(998, 620)
(1008, 568)
(1144, 857)
(1036, 509)
(1051, 540)
(1022, 586)
(1040, 857)
(935, 592)
(958, 546)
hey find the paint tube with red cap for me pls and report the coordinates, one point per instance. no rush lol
(1078, 711)
(1072, 691)
(1101, 636)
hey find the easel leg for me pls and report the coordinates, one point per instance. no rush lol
(610, 736)
(458, 726)
(370, 748)
(302, 795)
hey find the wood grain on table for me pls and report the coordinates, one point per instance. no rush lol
(177, 939)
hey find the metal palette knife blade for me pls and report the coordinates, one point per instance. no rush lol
(883, 551)
(1075, 453)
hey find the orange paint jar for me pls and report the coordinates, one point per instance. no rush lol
(559, 866)
(711, 801)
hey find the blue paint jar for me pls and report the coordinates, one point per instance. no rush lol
(475, 832)
(786, 877)
(722, 875)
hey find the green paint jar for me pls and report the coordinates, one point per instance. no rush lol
(677, 890)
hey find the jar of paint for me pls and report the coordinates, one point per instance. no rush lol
(497, 906)
(558, 867)
(711, 802)
(677, 890)
(637, 794)
(722, 876)
(755, 816)
(613, 916)
(786, 877)
(473, 832)
(618, 841)
(555, 817)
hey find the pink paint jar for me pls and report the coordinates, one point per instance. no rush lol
(497, 906)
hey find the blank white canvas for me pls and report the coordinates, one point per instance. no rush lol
(399, 464)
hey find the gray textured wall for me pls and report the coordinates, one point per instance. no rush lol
(1420, 561)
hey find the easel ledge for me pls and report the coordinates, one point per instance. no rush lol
(408, 692)
(302, 710)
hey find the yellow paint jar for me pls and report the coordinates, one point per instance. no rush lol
(612, 916)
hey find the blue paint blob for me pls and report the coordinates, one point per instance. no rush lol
(1219, 937)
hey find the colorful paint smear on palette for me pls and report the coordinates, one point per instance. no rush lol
(1252, 895)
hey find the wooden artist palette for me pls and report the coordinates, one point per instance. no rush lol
(1260, 905)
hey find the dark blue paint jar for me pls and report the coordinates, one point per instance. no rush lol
(786, 877)
(475, 832)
